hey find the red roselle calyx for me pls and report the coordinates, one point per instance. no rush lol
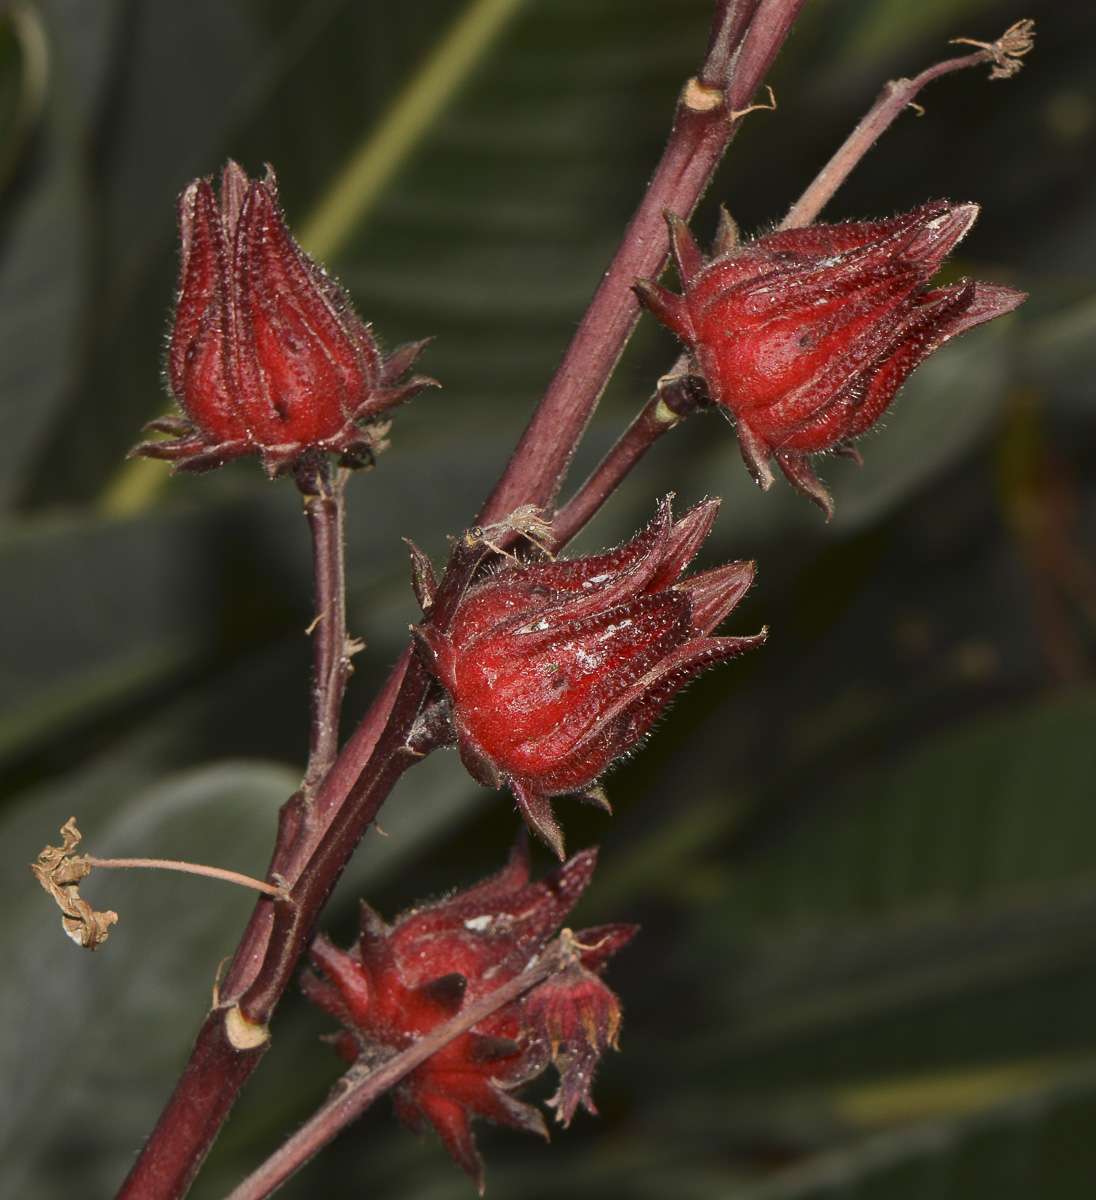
(805, 335)
(401, 981)
(556, 669)
(267, 356)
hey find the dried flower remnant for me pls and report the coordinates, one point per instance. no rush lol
(61, 874)
(1005, 53)
(804, 336)
(576, 1018)
(267, 356)
(554, 670)
(401, 981)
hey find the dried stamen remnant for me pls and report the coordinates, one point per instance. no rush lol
(61, 874)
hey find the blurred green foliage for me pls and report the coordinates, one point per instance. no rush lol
(864, 857)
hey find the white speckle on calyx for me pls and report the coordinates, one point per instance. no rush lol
(479, 924)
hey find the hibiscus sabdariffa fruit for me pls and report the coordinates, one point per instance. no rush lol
(400, 981)
(267, 356)
(804, 336)
(554, 669)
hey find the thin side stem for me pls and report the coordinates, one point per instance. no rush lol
(678, 394)
(324, 506)
(357, 1091)
(294, 922)
(301, 826)
(359, 746)
(896, 96)
(188, 868)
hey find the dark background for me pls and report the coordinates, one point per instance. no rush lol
(864, 857)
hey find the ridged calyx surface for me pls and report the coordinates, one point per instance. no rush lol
(804, 336)
(554, 670)
(400, 981)
(267, 356)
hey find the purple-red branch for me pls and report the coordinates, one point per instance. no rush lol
(895, 98)
(704, 124)
(729, 23)
(678, 394)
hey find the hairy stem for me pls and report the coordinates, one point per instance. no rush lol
(896, 96)
(678, 394)
(234, 1035)
(294, 921)
(357, 1090)
(324, 506)
(222, 1059)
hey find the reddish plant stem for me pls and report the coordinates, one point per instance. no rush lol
(220, 1064)
(359, 746)
(302, 824)
(729, 24)
(234, 1035)
(707, 116)
(896, 96)
(294, 922)
(324, 506)
(678, 394)
(315, 839)
(303, 821)
(199, 1106)
(356, 1091)
(401, 744)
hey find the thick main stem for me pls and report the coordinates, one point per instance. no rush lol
(234, 1035)
(294, 922)
(708, 114)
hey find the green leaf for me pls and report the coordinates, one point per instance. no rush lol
(1001, 804)
(93, 614)
(44, 263)
(47, 251)
(90, 1042)
(1036, 1145)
